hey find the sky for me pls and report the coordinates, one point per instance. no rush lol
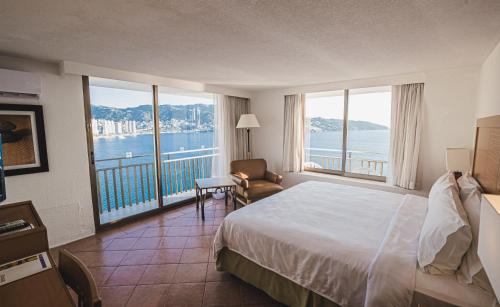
(372, 107)
(120, 98)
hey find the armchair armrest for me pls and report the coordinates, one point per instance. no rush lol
(240, 180)
(273, 177)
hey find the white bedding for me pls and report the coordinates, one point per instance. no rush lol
(351, 245)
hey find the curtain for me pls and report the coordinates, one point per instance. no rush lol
(293, 140)
(231, 143)
(406, 122)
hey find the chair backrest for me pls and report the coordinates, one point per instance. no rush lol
(76, 275)
(253, 169)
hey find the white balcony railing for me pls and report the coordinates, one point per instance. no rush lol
(359, 162)
(128, 181)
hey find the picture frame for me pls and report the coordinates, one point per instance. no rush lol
(23, 139)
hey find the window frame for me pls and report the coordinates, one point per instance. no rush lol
(343, 171)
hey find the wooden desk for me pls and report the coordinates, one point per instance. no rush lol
(44, 289)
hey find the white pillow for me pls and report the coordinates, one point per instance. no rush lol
(471, 270)
(446, 235)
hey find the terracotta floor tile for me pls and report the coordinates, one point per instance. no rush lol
(90, 244)
(167, 259)
(126, 275)
(101, 258)
(200, 242)
(225, 293)
(195, 255)
(195, 272)
(115, 296)
(186, 295)
(147, 243)
(214, 275)
(211, 258)
(121, 244)
(133, 233)
(101, 274)
(158, 274)
(179, 231)
(147, 296)
(163, 256)
(173, 242)
(155, 232)
(202, 230)
(135, 257)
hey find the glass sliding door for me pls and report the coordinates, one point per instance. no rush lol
(368, 133)
(323, 143)
(186, 121)
(347, 132)
(122, 123)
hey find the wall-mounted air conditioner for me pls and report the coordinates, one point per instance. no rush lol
(19, 83)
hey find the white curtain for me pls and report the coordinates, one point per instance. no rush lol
(293, 140)
(231, 143)
(406, 122)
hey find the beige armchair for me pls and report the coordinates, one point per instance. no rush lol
(253, 180)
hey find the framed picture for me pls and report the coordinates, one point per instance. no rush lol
(23, 139)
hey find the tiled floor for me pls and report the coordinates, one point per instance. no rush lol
(165, 260)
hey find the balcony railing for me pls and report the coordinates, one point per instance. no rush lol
(128, 181)
(358, 162)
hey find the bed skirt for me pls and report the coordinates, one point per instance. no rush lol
(276, 286)
(286, 291)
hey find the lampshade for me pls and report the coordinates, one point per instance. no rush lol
(458, 159)
(248, 121)
(489, 245)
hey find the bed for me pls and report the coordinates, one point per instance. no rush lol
(323, 244)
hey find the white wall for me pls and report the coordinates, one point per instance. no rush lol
(449, 118)
(61, 196)
(489, 86)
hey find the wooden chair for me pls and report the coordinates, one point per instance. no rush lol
(79, 279)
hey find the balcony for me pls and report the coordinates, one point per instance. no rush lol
(357, 162)
(126, 185)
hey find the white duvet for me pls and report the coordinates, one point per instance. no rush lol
(351, 245)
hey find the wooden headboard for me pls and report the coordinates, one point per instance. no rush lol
(486, 167)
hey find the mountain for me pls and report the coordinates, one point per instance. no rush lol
(319, 124)
(201, 117)
(144, 113)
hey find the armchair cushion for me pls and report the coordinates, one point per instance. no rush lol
(261, 188)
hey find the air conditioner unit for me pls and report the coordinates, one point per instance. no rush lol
(19, 83)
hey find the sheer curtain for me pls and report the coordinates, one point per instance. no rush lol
(231, 143)
(293, 139)
(406, 122)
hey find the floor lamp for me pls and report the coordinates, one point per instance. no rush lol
(248, 121)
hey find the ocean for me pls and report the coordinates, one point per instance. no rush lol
(363, 144)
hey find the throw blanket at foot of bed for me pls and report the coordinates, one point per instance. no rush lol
(354, 246)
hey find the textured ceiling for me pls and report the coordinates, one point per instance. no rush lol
(254, 44)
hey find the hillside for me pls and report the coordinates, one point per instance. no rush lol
(319, 124)
(201, 115)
